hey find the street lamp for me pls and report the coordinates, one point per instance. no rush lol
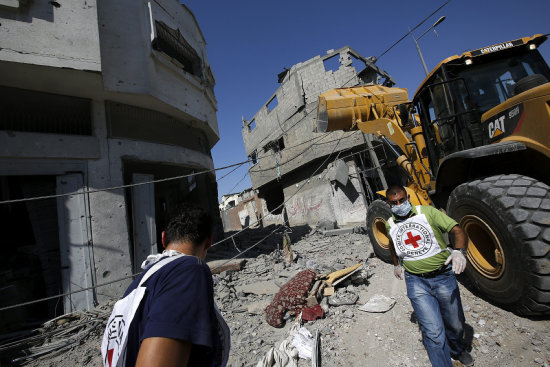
(416, 41)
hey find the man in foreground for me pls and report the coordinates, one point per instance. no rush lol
(430, 267)
(177, 323)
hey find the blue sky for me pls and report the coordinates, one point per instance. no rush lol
(249, 42)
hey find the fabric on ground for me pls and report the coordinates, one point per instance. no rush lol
(291, 297)
(312, 313)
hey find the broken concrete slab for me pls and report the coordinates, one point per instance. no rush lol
(325, 225)
(218, 266)
(378, 303)
(343, 298)
(268, 287)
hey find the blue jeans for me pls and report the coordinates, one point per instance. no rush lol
(437, 306)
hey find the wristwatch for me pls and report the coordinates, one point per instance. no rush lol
(462, 251)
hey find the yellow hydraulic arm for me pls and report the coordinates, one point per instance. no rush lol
(374, 109)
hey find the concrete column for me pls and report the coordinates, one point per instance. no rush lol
(108, 212)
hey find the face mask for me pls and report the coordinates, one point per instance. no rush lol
(403, 209)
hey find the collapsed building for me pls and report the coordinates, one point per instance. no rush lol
(303, 176)
(241, 210)
(94, 95)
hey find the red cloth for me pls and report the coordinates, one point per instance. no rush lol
(291, 297)
(312, 313)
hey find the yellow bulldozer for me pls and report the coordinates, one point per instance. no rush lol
(475, 142)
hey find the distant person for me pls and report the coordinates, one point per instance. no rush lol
(177, 323)
(430, 267)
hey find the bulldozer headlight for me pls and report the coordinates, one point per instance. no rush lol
(468, 61)
(532, 46)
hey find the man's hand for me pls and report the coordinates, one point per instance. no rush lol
(459, 261)
(398, 272)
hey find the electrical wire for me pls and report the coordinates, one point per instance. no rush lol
(302, 152)
(281, 205)
(217, 243)
(120, 186)
(409, 32)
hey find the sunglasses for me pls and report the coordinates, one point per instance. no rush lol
(397, 202)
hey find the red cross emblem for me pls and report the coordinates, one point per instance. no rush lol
(412, 240)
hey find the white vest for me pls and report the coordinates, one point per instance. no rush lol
(414, 238)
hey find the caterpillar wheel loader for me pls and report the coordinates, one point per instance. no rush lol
(474, 141)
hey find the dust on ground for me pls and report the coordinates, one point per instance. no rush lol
(348, 336)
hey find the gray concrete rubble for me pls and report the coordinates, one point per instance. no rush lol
(378, 303)
(348, 336)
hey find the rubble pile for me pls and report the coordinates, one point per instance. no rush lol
(366, 321)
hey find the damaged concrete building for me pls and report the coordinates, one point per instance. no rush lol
(240, 210)
(96, 94)
(317, 176)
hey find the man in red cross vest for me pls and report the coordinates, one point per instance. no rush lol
(430, 266)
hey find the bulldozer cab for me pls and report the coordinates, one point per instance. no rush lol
(454, 97)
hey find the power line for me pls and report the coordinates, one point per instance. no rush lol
(120, 186)
(291, 159)
(283, 203)
(246, 174)
(409, 32)
(302, 152)
(217, 243)
(287, 200)
(67, 294)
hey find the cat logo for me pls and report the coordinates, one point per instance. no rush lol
(496, 127)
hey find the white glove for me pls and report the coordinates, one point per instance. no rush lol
(398, 272)
(459, 261)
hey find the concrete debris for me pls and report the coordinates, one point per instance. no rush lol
(343, 298)
(347, 337)
(338, 171)
(378, 303)
(325, 225)
(217, 266)
(258, 288)
(257, 308)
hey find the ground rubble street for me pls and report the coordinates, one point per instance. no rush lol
(349, 335)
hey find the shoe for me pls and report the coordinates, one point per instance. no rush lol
(465, 358)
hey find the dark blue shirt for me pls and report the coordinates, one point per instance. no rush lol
(178, 304)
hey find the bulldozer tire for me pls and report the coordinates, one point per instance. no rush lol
(378, 213)
(507, 218)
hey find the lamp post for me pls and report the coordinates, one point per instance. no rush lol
(416, 41)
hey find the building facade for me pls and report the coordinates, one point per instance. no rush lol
(97, 94)
(241, 210)
(311, 175)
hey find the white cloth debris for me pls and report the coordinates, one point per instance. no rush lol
(284, 356)
(303, 341)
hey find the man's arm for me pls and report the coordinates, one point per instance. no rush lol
(396, 267)
(460, 237)
(163, 352)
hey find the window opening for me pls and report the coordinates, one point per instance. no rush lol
(31, 111)
(252, 125)
(273, 102)
(253, 157)
(172, 43)
(332, 63)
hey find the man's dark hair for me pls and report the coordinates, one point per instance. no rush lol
(395, 189)
(193, 224)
